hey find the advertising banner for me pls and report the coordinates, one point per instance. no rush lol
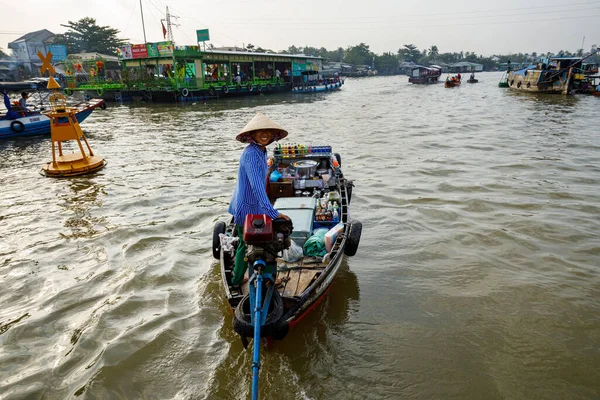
(139, 51)
(165, 49)
(202, 35)
(152, 50)
(126, 52)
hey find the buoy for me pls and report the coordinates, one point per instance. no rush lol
(65, 127)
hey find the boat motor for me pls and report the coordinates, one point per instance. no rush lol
(266, 237)
(260, 313)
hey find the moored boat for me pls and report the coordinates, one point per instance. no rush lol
(559, 75)
(424, 75)
(37, 123)
(472, 80)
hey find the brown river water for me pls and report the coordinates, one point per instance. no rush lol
(477, 276)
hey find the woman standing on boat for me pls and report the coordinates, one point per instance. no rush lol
(250, 194)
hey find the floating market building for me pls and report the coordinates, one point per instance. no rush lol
(163, 72)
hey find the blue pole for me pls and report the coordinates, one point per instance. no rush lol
(256, 344)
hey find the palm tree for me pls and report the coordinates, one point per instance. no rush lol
(434, 52)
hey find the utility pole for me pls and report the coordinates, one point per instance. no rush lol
(143, 26)
(169, 23)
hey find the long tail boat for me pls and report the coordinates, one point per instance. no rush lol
(276, 299)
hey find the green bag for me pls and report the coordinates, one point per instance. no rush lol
(315, 245)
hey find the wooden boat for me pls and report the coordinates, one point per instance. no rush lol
(304, 282)
(283, 289)
(559, 75)
(37, 123)
(451, 83)
(424, 75)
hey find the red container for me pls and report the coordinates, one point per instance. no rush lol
(258, 229)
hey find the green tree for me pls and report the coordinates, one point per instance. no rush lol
(434, 53)
(249, 46)
(358, 55)
(410, 52)
(86, 35)
(386, 64)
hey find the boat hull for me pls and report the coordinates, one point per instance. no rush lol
(39, 124)
(450, 84)
(424, 80)
(330, 87)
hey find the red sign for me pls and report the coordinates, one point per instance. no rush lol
(139, 51)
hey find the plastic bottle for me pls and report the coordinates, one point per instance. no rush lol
(335, 216)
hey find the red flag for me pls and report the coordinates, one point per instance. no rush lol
(164, 30)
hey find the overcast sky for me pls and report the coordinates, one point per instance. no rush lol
(385, 25)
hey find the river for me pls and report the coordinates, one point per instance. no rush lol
(477, 275)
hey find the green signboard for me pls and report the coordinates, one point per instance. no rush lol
(202, 35)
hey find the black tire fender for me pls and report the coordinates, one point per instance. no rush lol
(17, 126)
(220, 227)
(225, 89)
(353, 238)
(103, 106)
(274, 325)
(212, 91)
(185, 92)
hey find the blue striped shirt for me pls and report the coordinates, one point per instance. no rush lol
(250, 194)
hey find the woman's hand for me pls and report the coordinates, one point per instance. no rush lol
(280, 215)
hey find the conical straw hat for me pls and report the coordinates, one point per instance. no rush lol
(261, 122)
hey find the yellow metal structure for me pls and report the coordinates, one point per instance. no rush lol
(65, 127)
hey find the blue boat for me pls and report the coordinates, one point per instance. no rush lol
(38, 123)
(312, 84)
(318, 87)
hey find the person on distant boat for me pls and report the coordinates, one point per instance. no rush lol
(458, 76)
(10, 114)
(23, 102)
(472, 76)
(238, 79)
(250, 194)
(277, 74)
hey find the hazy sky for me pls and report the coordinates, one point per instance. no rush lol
(385, 25)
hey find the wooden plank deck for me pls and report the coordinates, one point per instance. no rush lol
(294, 277)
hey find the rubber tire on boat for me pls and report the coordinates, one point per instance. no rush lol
(274, 326)
(225, 89)
(249, 87)
(269, 87)
(68, 92)
(17, 126)
(338, 158)
(212, 91)
(259, 87)
(100, 91)
(220, 227)
(185, 92)
(103, 106)
(353, 238)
